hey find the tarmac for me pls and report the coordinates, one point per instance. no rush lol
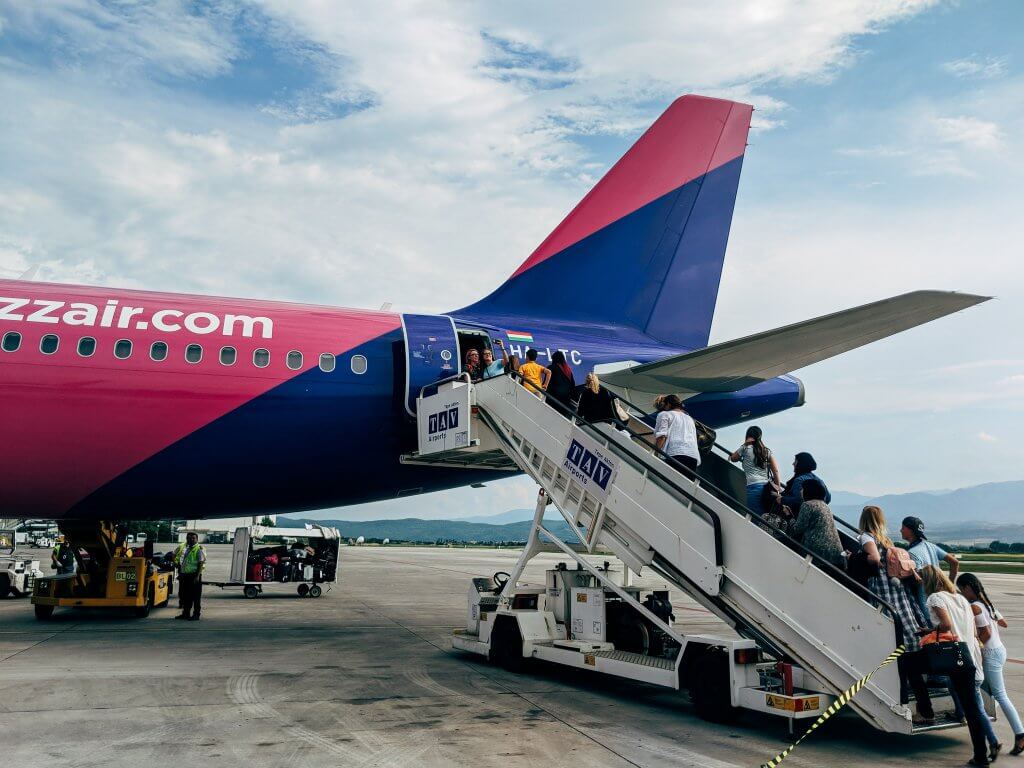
(365, 676)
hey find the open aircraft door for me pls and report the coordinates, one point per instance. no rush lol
(432, 353)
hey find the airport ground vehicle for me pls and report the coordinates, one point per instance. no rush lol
(805, 631)
(306, 557)
(110, 574)
(17, 574)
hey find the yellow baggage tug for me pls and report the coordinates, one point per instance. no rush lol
(110, 574)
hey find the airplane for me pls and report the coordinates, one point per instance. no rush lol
(131, 404)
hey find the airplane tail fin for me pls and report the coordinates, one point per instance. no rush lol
(645, 247)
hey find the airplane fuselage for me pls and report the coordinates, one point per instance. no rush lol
(136, 404)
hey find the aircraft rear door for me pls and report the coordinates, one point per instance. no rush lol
(432, 353)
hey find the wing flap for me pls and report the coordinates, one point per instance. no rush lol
(741, 363)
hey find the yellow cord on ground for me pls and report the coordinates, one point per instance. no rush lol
(839, 703)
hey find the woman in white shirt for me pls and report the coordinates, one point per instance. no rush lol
(952, 613)
(988, 621)
(675, 432)
(759, 467)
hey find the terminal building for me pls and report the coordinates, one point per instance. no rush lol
(221, 530)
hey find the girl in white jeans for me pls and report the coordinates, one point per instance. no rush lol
(988, 621)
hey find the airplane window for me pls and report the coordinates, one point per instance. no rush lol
(193, 353)
(326, 362)
(11, 342)
(122, 349)
(359, 364)
(294, 360)
(227, 355)
(86, 346)
(48, 344)
(261, 358)
(158, 351)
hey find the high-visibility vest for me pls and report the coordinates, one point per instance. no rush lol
(188, 562)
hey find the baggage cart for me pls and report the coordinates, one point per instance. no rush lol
(306, 557)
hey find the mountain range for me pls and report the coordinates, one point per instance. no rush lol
(981, 512)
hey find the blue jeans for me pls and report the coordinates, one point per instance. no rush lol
(990, 732)
(994, 661)
(754, 492)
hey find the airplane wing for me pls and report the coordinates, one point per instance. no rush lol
(738, 364)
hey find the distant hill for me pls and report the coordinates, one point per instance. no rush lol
(428, 531)
(988, 503)
(512, 516)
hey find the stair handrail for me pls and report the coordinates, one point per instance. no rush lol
(837, 574)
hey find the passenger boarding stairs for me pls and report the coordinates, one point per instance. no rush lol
(701, 539)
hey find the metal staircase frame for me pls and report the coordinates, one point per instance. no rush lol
(698, 566)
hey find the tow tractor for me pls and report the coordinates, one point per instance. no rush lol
(110, 574)
(16, 573)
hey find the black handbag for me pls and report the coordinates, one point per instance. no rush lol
(947, 657)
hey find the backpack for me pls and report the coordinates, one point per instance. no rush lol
(898, 563)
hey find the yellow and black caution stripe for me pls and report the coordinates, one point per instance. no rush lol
(843, 699)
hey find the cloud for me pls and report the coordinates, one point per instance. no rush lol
(977, 67)
(969, 132)
(354, 154)
(985, 437)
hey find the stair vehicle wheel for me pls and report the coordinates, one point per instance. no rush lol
(315, 591)
(710, 687)
(44, 612)
(5, 585)
(250, 591)
(303, 590)
(507, 645)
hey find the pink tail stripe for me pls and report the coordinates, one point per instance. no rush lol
(695, 135)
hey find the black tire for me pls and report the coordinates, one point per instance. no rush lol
(303, 590)
(5, 585)
(143, 610)
(250, 591)
(44, 612)
(507, 645)
(709, 687)
(315, 591)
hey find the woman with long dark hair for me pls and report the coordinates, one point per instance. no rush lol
(759, 467)
(993, 655)
(561, 384)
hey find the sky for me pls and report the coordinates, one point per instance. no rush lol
(415, 153)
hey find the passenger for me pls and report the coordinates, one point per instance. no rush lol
(535, 376)
(815, 527)
(759, 467)
(513, 364)
(472, 366)
(952, 613)
(923, 553)
(875, 542)
(803, 470)
(492, 367)
(675, 432)
(596, 403)
(993, 654)
(561, 384)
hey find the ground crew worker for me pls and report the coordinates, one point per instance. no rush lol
(63, 557)
(190, 560)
